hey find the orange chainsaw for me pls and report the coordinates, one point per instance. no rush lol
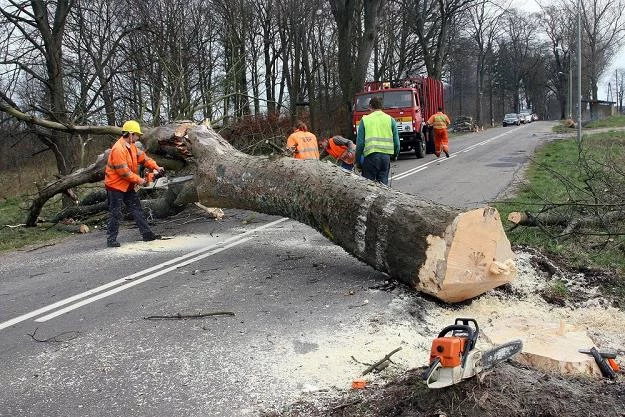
(454, 357)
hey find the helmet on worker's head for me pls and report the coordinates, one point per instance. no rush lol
(132, 126)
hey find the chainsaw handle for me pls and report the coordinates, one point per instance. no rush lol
(466, 321)
(476, 331)
(458, 328)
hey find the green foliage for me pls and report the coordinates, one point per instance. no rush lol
(559, 288)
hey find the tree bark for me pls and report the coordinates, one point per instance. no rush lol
(436, 249)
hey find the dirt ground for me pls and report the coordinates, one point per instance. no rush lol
(509, 389)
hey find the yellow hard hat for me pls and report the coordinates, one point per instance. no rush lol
(132, 126)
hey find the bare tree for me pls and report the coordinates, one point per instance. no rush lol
(516, 53)
(560, 30)
(353, 61)
(435, 23)
(37, 31)
(484, 27)
(603, 23)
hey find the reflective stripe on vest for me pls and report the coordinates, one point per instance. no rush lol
(440, 121)
(378, 133)
(306, 145)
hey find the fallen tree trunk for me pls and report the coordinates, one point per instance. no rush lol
(436, 249)
(571, 224)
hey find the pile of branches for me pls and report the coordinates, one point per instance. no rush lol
(464, 124)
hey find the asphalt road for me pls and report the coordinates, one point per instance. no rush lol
(301, 315)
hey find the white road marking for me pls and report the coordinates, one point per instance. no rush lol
(139, 281)
(420, 168)
(211, 251)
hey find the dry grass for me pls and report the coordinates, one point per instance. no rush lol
(24, 181)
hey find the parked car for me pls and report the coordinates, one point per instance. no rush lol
(525, 117)
(511, 119)
(534, 116)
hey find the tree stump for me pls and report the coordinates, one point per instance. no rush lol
(548, 346)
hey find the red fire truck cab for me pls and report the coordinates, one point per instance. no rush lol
(411, 102)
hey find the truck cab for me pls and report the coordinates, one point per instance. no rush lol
(409, 102)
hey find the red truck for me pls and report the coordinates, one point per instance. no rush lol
(411, 101)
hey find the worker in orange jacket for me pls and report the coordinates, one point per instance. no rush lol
(301, 143)
(341, 149)
(121, 181)
(439, 121)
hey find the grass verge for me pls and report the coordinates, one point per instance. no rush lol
(572, 181)
(568, 125)
(13, 235)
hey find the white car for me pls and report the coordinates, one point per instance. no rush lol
(526, 117)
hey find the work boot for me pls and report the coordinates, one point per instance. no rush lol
(151, 236)
(446, 154)
(112, 244)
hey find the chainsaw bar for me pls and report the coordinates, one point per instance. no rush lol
(500, 353)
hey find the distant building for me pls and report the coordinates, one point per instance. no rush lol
(597, 109)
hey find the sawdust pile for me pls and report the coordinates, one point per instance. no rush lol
(412, 321)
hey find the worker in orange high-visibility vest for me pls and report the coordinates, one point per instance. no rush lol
(121, 178)
(339, 148)
(439, 121)
(301, 143)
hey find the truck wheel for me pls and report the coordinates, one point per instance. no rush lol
(420, 149)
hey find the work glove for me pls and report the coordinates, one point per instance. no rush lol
(159, 173)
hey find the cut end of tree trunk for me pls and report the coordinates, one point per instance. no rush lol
(550, 347)
(473, 257)
(517, 217)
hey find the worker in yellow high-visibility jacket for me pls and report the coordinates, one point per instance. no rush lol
(376, 142)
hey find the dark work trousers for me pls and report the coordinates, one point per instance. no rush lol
(133, 204)
(376, 167)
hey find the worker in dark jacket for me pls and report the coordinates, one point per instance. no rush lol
(121, 180)
(339, 148)
(377, 141)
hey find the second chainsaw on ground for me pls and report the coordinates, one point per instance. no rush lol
(454, 357)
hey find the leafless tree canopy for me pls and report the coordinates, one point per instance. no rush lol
(100, 62)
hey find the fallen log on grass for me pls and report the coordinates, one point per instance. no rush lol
(439, 250)
(570, 221)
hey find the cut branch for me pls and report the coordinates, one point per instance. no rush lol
(179, 316)
(379, 363)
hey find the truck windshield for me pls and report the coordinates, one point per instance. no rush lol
(391, 100)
